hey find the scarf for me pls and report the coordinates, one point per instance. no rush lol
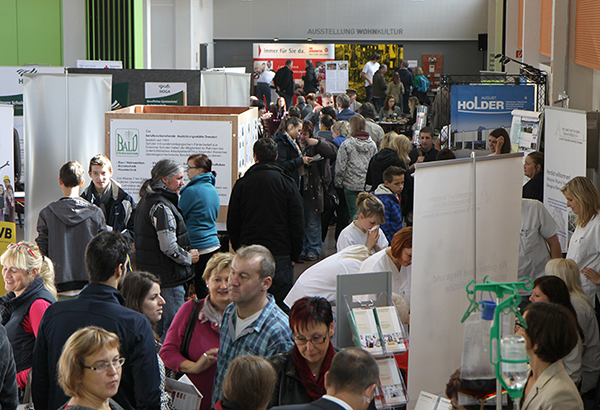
(209, 313)
(314, 388)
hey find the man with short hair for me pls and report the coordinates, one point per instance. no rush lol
(117, 205)
(64, 229)
(343, 106)
(265, 208)
(284, 82)
(326, 101)
(379, 87)
(354, 105)
(252, 324)
(368, 72)
(99, 304)
(300, 103)
(425, 152)
(350, 383)
(407, 78)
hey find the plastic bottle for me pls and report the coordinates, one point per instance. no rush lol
(513, 347)
(477, 372)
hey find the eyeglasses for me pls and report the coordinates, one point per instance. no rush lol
(19, 247)
(102, 367)
(315, 340)
(518, 325)
(188, 168)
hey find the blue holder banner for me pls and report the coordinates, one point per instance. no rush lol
(478, 109)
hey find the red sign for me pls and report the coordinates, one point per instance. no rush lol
(519, 53)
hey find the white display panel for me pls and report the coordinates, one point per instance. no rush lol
(564, 159)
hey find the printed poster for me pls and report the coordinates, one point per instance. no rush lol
(136, 145)
(336, 77)
(476, 110)
(166, 94)
(565, 133)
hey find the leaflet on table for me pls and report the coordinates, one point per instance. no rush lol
(391, 390)
(392, 332)
(365, 331)
(428, 401)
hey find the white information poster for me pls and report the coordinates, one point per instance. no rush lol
(525, 130)
(564, 159)
(7, 205)
(136, 145)
(11, 92)
(166, 94)
(336, 77)
(444, 241)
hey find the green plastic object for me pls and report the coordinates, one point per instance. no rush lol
(509, 292)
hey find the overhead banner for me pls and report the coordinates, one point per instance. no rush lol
(11, 92)
(565, 134)
(445, 199)
(7, 179)
(272, 56)
(137, 144)
(476, 110)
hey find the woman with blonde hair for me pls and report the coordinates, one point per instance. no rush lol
(202, 319)
(29, 282)
(352, 162)
(365, 229)
(584, 247)
(568, 271)
(89, 369)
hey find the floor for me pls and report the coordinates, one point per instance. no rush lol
(328, 250)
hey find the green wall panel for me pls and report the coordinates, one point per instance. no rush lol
(8, 32)
(39, 32)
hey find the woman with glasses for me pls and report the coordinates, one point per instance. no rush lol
(199, 203)
(301, 371)
(550, 335)
(141, 291)
(29, 283)
(89, 369)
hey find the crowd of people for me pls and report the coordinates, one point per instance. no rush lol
(81, 329)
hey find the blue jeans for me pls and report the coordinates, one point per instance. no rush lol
(263, 89)
(312, 229)
(369, 90)
(174, 298)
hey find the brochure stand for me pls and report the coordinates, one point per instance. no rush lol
(365, 299)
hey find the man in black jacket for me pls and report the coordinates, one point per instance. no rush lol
(99, 304)
(265, 208)
(284, 81)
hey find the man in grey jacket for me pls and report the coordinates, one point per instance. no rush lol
(65, 227)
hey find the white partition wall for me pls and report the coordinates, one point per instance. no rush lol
(64, 121)
(445, 235)
(224, 89)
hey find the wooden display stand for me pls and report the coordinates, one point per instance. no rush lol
(139, 136)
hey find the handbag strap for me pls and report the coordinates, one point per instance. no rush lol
(189, 330)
